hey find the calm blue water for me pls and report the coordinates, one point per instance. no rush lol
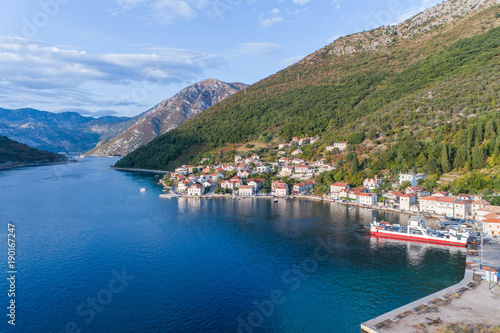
(197, 265)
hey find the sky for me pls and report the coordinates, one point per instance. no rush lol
(122, 57)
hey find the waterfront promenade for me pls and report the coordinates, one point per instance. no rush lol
(471, 301)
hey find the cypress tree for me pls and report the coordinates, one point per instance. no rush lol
(460, 158)
(489, 132)
(477, 157)
(445, 162)
(496, 149)
(479, 132)
(354, 164)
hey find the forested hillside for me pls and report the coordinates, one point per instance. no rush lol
(13, 152)
(420, 95)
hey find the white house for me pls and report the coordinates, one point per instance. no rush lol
(256, 183)
(297, 152)
(182, 171)
(337, 187)
(246, 190)
(447, 206)
(208, 183)
(287, 170)
(407, 200)
(303, 187)
(196, 190)
(263, 169)
(302, 169)
(244, 173)
(232, 183)
(412, 178)
(491, 226)
(478, 205)
(369, 199)
(372, 183)
(329, 148)
(281, 190)
(340, 145)
(183, 185)
(325, 168)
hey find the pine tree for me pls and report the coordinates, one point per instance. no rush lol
(445, 162)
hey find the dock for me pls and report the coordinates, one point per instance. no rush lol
(472, 300)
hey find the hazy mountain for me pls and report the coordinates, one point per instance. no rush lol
(59, 132)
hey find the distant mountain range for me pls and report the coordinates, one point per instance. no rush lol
(59, 132)
(13, 153)
(167, 115)
(71, 132)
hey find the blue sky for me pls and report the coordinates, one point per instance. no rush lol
(121, 57)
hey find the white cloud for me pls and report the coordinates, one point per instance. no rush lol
(261, 49)
(33, 73)
(271, 21)
(300, 2)
(275, 11)
(163, 11)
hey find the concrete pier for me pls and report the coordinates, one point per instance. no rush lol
(471, 300)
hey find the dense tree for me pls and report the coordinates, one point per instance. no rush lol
(460, 158)
(477, 156)
(445, 160)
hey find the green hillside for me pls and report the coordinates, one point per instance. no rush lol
(13, 152)
(399, 94)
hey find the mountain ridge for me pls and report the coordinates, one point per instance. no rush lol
(167, 115)
(327, 92)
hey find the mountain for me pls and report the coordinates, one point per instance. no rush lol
(59, 132)
(13, 153)
(419, 82)
(167, 115)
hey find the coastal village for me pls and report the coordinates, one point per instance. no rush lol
(292, 177)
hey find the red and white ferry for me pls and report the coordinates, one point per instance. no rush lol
(418, 231)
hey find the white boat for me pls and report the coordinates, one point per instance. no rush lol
(143, 189)
(418, 231)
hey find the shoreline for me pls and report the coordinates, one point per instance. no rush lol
(140, 170)
(25, 165)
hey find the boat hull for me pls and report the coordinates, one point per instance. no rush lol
(414, 238)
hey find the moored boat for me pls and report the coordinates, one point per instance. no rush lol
(418, 231)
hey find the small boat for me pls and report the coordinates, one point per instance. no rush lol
(275, 200)
(143, 189)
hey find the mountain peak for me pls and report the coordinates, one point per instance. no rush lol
(167, 115)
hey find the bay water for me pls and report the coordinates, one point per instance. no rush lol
(94, 254)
